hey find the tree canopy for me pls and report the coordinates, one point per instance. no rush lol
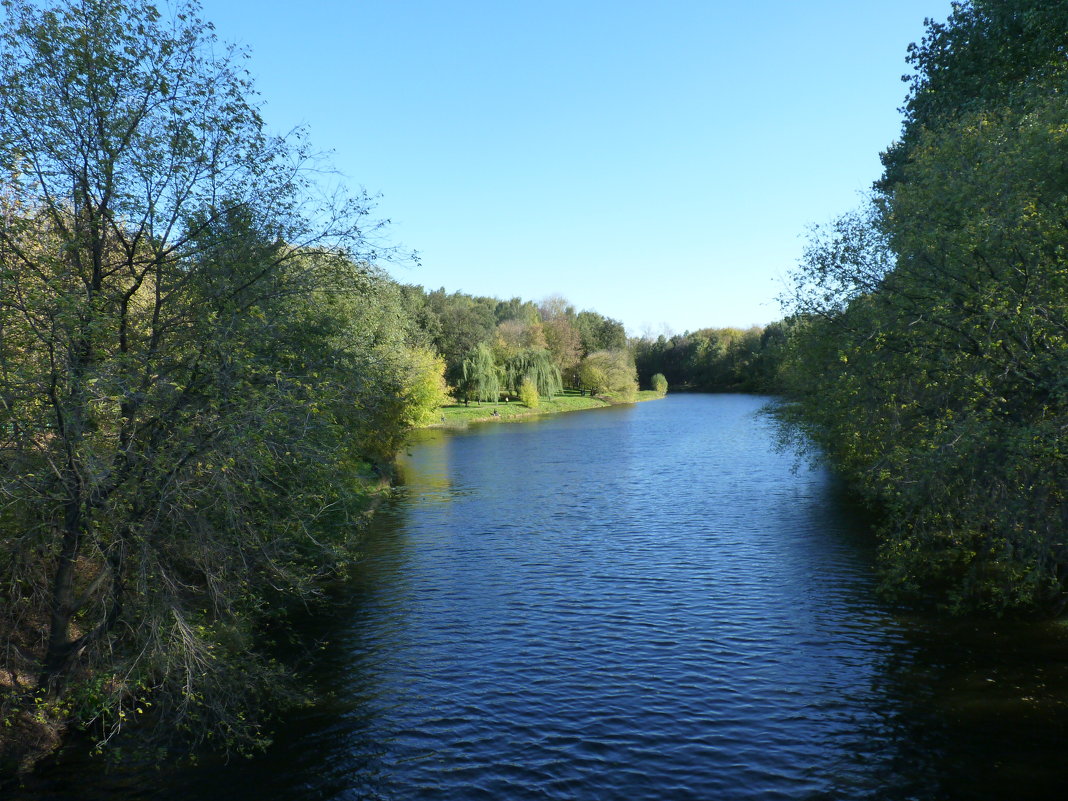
(193, 351)
(930, 348)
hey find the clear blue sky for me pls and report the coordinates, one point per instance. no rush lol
(658, 162)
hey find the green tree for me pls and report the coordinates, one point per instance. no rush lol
(599, 332)
(711, 359)
(174, 330)
(977, 59)
(481, 377)
(528, 394)
(535, 365)
(929, 344)
(659, 384)
(462, 323)
(610, 372)
(425, 390)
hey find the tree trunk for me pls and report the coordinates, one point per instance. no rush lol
(56, 658)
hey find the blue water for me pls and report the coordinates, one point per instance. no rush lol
(645, 602)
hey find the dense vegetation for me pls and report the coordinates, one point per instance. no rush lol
(490, 346)
(198, 361)
(716, 359)
(930, 352)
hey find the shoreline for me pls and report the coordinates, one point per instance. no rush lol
(457, 415)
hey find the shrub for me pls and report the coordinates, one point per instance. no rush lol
(528, 394)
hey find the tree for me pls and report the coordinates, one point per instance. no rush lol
(174, 329)
(563, 342)
(929, 345)
(659, 384)
(599, 332)
(711, 359)
(462, 323)
(976, 59)
(534, 365)
(528, 394)
(562, 338)
(425, 390)
(481, 375)
(514, 336)
(610, 372)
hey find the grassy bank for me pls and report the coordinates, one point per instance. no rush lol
(457, 415)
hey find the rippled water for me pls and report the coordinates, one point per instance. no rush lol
(645, 602)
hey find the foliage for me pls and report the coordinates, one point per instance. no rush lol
(516, 336)
(185, 388)
(563, 342)
(659, 384)
(481, 378)
(457, 324)
(714, 359)
(610, 372)
(977, 60)
(536, 366)
(425, 389)
(528, 394)
(930, 343)
(598, 332)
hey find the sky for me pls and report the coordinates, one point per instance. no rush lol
(659, 162)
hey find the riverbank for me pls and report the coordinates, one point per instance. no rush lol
(457, 415)
(34, 728)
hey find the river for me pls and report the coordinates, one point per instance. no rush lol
(642, 602)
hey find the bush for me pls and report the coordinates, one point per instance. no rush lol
(660, 384)
(528, 394)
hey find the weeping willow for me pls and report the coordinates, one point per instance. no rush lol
(482, 378)
(537, 365)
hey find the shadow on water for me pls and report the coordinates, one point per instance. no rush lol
(973, 710)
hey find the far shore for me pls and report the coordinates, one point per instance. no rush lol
(459, 415)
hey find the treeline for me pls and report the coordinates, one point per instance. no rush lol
(716, 359)
(490, 347)
(930, 352)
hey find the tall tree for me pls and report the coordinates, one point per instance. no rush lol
(977, 58)
(562, 338)
(536, 366)
(481, 375)
(611, 372)
(931, 338)
(167, 371)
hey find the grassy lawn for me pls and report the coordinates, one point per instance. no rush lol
(457, 415)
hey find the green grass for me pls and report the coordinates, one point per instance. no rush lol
(456, 415)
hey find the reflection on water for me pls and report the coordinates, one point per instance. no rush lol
(638, 603)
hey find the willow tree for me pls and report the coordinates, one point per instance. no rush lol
(610, 372)
(535, 365)
(171, 407)
(481, 375)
